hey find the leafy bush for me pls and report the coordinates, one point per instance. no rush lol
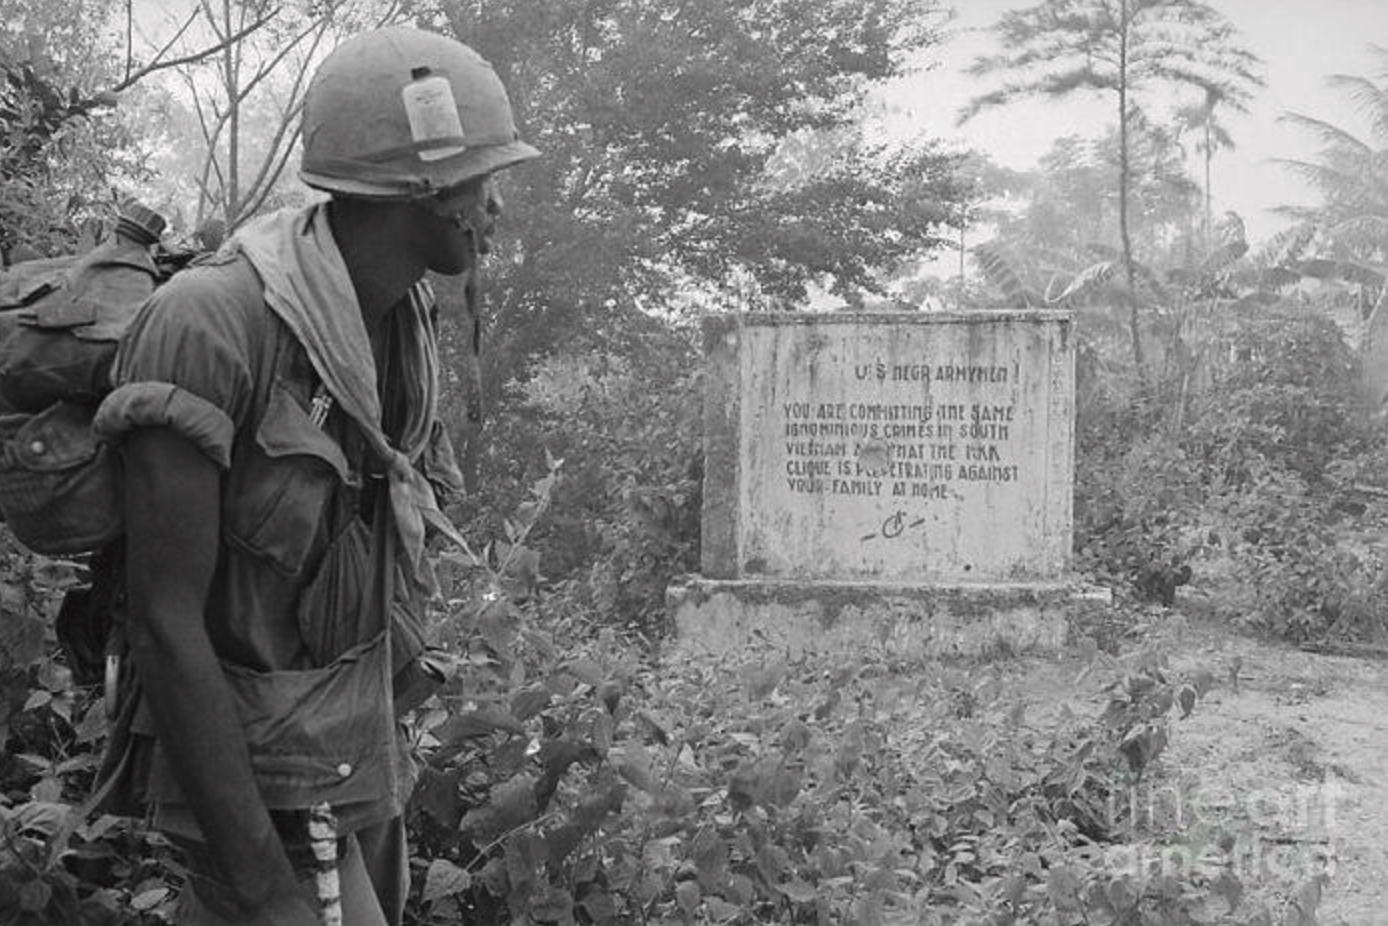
(1284, 395)
(569, 777)
(625, 514)
(1134, 485)
(57, 863)
(1258, 481)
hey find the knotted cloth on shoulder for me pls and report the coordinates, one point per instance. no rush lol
(307, 285)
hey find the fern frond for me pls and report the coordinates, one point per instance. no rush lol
(1087, 280)
(1331, 135)
(1347, 271)
(1289, 245)
(1001, 270)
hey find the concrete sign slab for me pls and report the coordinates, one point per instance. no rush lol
(895, 447)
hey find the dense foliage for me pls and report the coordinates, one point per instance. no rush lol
(570, 777)
(62, 150)
(1260, 483)
(625, 518)
(572, 772)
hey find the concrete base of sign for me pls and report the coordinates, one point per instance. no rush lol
(802, 617)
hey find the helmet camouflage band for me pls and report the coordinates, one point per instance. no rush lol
(399, 113)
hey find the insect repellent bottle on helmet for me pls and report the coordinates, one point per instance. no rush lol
(402, 114)
(433, 114)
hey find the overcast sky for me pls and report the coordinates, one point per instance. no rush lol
(1301, 43)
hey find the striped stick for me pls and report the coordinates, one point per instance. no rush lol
(322, 839)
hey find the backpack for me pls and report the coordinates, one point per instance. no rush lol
(59, 485)
(60, 488)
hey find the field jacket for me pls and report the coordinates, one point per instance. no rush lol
(296, 612)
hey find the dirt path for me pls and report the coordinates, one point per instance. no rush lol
(1289, 763)
(1303, 742)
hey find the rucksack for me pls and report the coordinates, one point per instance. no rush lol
(59, 485)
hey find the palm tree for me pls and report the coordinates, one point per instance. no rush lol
(1350, 172)
(1213, 137)
(1118, 47)
(1350, 226)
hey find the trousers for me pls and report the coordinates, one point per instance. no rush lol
(373, 878)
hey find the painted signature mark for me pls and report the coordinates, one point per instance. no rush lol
(894, 526)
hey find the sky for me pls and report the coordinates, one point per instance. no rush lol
(1301, 42)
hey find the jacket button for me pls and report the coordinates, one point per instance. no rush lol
(344, 769)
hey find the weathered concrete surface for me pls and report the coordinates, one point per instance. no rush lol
(898, 480)
(903, 447)
(800, 617)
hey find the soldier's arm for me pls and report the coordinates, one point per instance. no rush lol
(173, 534)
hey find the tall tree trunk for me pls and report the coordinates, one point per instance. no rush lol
(1209, 156)
(232, 65)
(1124, 171)
(1373, 359)
(962, 253)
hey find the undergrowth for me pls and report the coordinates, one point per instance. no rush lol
(1255, 476)
(571, 775)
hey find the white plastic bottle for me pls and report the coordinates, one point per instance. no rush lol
(433, 114)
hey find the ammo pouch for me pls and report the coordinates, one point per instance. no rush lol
(59, 484)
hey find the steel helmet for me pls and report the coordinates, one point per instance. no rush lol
(401, 113)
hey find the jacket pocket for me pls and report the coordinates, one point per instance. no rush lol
(320, 734)
(314, 735)
(279, 496)
(336, 609)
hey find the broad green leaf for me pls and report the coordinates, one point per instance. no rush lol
(21, 638)
(586, 671)
(444, 879)
(798, 890)
(474, 724)
(600, 906)
(633, 763)
(37, 699)
(688, 896)
(41, 816)
(529, 702)
(719, 910)
(511, 804)
(149, 899)
(654, 726)
(1063, 887)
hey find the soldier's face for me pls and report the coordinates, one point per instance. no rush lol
(458, 224)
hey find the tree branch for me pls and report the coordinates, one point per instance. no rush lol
(195, 57)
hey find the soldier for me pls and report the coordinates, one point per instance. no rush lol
(275, 409)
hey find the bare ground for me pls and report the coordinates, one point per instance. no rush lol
(1284, 763)
(1303, 742)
